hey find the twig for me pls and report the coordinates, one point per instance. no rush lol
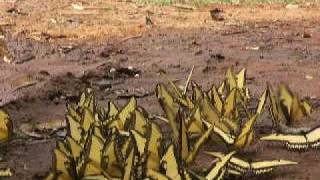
(130, 37)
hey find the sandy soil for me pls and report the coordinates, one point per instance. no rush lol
(58, 51)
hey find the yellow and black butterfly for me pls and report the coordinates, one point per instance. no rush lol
(237, 166)
(287, 108)
(218, 169)
(302, 141)
(6, 127)
(237, 82)
(240, 141)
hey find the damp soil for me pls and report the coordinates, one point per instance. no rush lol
(275, 44)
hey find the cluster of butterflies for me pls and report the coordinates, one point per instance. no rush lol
(120, 144)
(228, 111)
(229, 108)
(126, 144)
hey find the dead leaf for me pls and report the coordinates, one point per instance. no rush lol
(7, 59)
(77, 7)
(309, 77)
(23, 82)
(5, 172)
(43, 129)
(292, 6)
(254, 48)
(184, 7)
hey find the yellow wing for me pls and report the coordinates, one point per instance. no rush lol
(221, 88)
(112, 109)
(184, 144)
(196, 147)
(290, 138)
(74, 147)
(230, 104)
(217, 101)
(74, 128)
(140, 124)
(256, 166)
(241, 79)
(296, 111)
(87, 100)
(170, 107)
(209, 114)
(62, 165)
(307, 107)
(169, 163)
(128, 110)
(128, 169)
(236, 165)
(285, 96)
(96, 148)
(275, 109)
(92, 169)
(262, 102)
(72, 111)
(109, 159)
(230, 79)
(153, 161)
(156, 175)
(6, 127)
(139, 142)
(87, 119)
(314, 135)
(245, 136)
(218, 170)
(195, 125)
(197, 93)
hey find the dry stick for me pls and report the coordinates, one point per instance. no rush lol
(161, 118)
(130, 37)
(188, 81)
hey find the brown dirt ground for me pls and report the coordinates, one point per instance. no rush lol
(112, 34)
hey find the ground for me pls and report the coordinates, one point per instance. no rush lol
(59, 50)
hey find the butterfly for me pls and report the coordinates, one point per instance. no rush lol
(6, 127)
(239, 166)
(302, 141)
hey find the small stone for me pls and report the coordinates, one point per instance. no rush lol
(113, 70)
